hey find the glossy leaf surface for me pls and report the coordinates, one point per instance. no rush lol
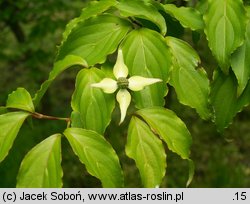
(41, 167)
(191, 85)
(95, 38)
(10, 124)
(223, 97)
(142, 9)
(225, 24)
(20, 99)
(187, 16)
(170, 128)
(226, 103)
(92, 9)
(147, 151)
(146, 54)
(97, 155)
(93, 105)
(240, 62)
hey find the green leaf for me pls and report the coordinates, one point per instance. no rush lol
(76, 120)
(94, 106)
(41, 167)
(93, 8)
(144, 10)
(224, 100)
(10, 123)
(95, 38)
(20, 99)
(240, 62)
(244, 99)
(97, 155)
(58, 68)
(146, 54)
(147, 151)
(3, 110)
(225, 23)
(170, 128)
(191, 85)
(187, 16)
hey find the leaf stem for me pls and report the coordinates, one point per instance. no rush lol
(48, 117)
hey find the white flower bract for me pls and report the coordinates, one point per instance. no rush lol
(123, 97)
(107, 85)
(135, 83)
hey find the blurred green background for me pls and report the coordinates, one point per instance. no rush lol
(31, 30)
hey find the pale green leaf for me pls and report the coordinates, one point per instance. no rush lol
(147, 151)
(95, 38)
(94, 106)
(58, 68)
(240, 62)
(170, 128)
(10, 123)
(93, 8)
(187, 16)
(191, 85)
(224, 100)
(41, 167)
(144, 10)
(225, 25)
(97, 155)
(20, 99)
(146, 54)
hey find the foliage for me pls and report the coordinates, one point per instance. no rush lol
(112, 37)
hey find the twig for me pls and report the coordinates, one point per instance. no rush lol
(47, 117)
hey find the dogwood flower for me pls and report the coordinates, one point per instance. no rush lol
(134, 83)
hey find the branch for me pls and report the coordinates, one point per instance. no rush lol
(47, 117)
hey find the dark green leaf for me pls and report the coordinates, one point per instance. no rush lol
(244, 99)
(59, 67)
(144, 10)
(188, 17)
(224, 100)
(10, 124)
(93, 105)
(20, 99)
(97, 155)
(41, 167)
(240, 62)
(76, 120)
(147, 151)
(146, 54)
(3, 110)
(95, 38)
(170, 128)
(225, 25)
(191, 85)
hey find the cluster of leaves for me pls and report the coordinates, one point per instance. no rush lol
(89, 41)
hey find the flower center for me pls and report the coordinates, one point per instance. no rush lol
(122, 83)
